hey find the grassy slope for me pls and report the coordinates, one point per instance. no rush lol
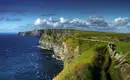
(121, 40)
(78, 69)
(114, 37)
(81, 68)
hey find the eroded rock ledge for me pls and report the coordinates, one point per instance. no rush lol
(122, 64)
(61, 51)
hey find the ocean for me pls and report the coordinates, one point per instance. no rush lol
(21, 59)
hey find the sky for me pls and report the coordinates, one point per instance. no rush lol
(23, 15)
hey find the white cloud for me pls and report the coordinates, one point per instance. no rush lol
(122, 23)
(128, 25)
(65, 23)
(50, 19)
(97, 21)
(77, 21)
(37, 22)
(57, 24)
(93, 23)
(122, 20)
(62, 20)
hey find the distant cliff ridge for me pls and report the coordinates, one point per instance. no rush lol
(30, 33)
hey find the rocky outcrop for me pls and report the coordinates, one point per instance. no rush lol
(61, 49)
(125, 71)
(122, 65)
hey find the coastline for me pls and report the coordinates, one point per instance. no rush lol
(67, 49)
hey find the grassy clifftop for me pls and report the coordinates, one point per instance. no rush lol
(88, 57)
(80, 68)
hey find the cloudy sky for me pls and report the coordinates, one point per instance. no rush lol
(99, 15)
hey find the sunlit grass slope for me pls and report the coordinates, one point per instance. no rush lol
(92, 48)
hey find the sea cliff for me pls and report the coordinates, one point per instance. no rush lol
(88, 55)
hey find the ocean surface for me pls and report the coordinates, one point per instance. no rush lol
(21, 59)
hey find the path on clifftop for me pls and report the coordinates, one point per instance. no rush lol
(91, 39)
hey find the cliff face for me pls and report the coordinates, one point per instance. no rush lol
(61, 49)
(86, 57)
(110, 66)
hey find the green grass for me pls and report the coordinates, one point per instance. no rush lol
(75, 66)
(123, 47)
(80, 67)
(114, 72)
